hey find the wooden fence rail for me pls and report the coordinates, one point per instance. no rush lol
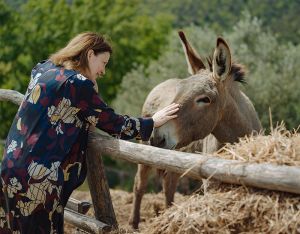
(197, 166)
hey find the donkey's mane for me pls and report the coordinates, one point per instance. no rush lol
(237, 70)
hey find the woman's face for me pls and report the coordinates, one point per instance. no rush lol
(97, 64)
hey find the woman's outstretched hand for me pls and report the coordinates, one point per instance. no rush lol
(165, 114)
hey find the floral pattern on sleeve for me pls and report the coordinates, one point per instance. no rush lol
(99, 114)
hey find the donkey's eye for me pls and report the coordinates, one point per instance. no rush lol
(202, 100)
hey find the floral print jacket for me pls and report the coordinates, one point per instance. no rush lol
(44, 157)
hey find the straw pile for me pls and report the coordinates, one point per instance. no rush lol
(223, 208)
(281, 147)
(153, 204)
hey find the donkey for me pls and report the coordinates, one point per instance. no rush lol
(213, 108)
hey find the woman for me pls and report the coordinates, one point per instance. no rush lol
(44, 157)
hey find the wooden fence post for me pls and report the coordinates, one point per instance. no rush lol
(98, 185)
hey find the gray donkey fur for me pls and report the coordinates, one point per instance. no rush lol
(213, 110)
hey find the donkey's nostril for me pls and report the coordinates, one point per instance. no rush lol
(158, 142)
(161, 143)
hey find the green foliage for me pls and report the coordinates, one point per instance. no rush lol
(217, 14)
(280, 16)
(1, 153)
(272, 79)
(274, 70)
(39, 28)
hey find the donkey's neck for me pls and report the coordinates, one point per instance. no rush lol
(239, 118)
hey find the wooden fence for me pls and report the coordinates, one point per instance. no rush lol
(197, 166)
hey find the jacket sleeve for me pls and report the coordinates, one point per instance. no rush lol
(95, 111)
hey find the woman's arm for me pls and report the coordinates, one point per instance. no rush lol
(94, 110)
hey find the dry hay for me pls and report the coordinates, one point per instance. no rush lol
(223, 208)
(281, 147)
(152, 206)
(231, 209)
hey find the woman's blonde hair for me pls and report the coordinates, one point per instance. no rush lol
(74, 55)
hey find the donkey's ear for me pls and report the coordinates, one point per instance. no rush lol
(221, 60)
(193, 59)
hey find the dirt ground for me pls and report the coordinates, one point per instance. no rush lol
(152, 206)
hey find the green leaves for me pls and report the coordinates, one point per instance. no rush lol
(36, 29)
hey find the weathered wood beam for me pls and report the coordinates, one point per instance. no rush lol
(85, 223)
(98, 185)
(198, 166)
(11, 95)
(81, 207)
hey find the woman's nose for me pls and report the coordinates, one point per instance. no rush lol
(103, 72)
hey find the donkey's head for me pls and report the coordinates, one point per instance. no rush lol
(210, 100)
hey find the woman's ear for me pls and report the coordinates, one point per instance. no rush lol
(90, 53)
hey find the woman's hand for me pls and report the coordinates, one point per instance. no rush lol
(165, 114)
